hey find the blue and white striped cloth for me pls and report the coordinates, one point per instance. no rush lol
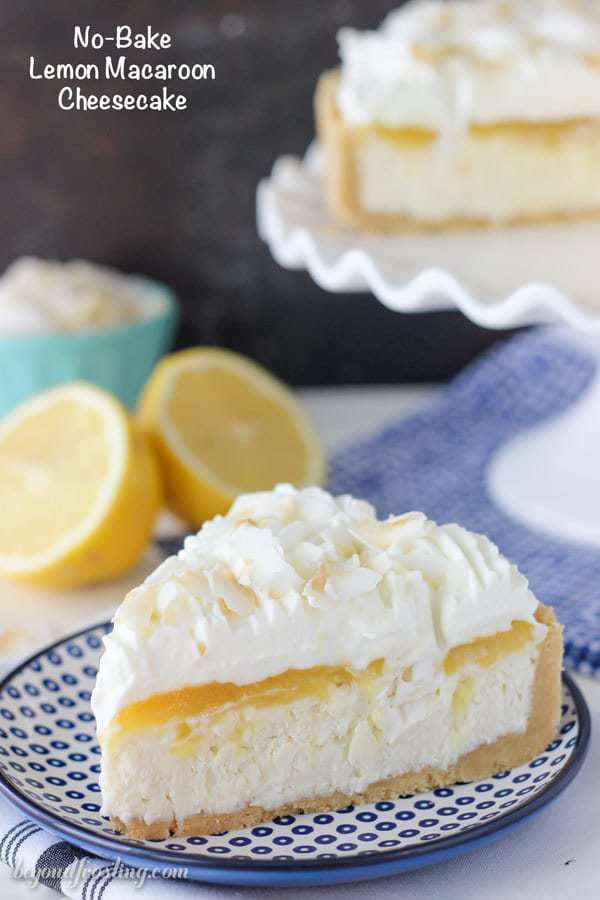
(39, 858)
(436, 460)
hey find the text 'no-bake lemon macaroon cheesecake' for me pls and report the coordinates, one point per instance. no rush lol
(299, 654)
(465, 112)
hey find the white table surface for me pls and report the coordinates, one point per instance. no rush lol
(551, 858)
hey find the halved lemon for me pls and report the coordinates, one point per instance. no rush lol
(79, 489)
(223, 426)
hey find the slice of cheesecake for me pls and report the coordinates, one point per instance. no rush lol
(465, 113)
(299, 654)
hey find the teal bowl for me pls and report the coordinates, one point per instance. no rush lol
(117, 359)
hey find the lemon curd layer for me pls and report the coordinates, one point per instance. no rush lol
(485, 651)
(548, 133)
(206, 699)
(295, 684)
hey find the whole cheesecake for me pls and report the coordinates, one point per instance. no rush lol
(465, 112)
(299, 654)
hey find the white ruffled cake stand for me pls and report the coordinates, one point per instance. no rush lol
(549, 476)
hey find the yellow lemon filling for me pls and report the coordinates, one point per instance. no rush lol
(206, 699)
(461, 698)
(549, 133)
(486, 651)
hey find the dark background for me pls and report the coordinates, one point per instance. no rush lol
(172, 194)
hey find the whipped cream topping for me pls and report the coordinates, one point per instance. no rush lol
(291, 579)
(441, 64)
(39, 296)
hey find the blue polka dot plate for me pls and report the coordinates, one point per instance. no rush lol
(50, 760)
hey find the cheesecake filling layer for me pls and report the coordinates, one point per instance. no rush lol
(491, 174)
(314, 746)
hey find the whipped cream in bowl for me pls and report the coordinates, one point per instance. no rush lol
(76, 320)
(38, 296)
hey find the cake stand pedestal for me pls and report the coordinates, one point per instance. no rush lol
(549, 476)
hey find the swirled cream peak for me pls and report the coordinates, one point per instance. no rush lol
(291, 579)
(437, 64)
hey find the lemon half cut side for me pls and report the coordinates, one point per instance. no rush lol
(79, 489)
(223, 426)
